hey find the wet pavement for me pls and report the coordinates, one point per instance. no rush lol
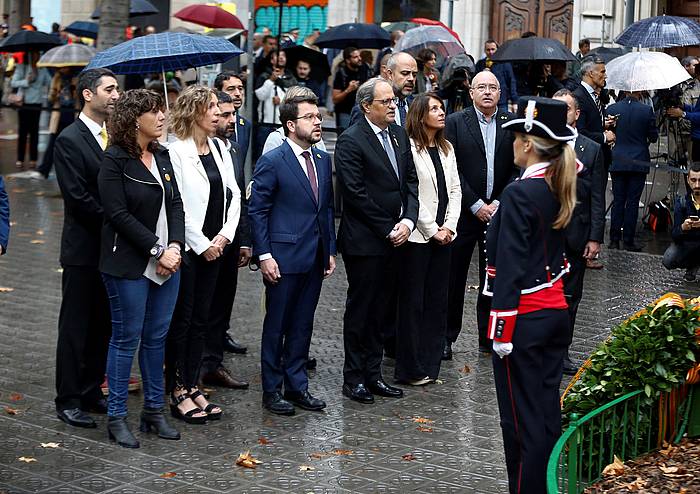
(440, 438)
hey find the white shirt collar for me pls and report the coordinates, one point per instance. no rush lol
(588, 87)
(93, 126)
(374, 128)
(297, 149)
(537, 168)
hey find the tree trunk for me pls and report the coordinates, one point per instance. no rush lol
(114, 18)
(20, 10)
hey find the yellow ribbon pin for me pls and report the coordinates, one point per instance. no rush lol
(167, 177)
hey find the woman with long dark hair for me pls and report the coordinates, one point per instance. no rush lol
(529, 321)
(143, 233)
(423, 293)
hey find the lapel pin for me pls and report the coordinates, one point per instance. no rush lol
(167, 177)
(581, 148)
(241, 122)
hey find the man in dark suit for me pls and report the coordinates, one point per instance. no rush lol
(484, 152)
(231, 83)
(235, 255)
(585, 232)
(293, 230)
(4, 218)
(379, 186)
(84, 323)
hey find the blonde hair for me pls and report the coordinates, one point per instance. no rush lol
(560, 174)
(299, 91)
(191, 104)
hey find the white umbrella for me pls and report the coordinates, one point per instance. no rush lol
(644, 71)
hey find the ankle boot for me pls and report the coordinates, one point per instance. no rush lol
(118, 431)
(153, 419)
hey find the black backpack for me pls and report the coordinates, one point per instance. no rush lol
(658, 217)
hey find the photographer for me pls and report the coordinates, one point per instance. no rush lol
(684, 95)
(684, 252)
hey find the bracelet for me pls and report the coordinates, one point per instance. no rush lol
(175, 246)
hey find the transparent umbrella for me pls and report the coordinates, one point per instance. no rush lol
(437, 38)
(644, 71)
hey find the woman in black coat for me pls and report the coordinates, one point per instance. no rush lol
(142, 235)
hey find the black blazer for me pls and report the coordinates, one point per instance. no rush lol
(373, 197)
(77, 157)
(589, 122)
(588, 220)
(132, 199)
(463, 131)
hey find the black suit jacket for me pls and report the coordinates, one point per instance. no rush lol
(463, 131)
(374, 199)
(589, 122)
(588, 220)
(243, 228)
(132, 199)
(77, 157)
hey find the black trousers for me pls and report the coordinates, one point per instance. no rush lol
(84, 330)
(573, 285)
(372, 282)
(527, 388)
(221, 308)
(422, 310)
(190, 323)
(462, 249)
(682, 255)
(28, 116)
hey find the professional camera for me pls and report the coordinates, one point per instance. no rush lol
(669, 98)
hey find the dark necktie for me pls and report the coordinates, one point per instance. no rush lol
(599, 104)
(389, 151)
(401, 103)
(311, 173)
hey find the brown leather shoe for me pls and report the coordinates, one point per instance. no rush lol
(222, 377)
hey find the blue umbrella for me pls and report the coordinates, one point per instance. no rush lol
(663, 31)
(136, 8)
(354, 34)
(83, 29)
(164, 52)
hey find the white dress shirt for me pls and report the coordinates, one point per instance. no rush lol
(94, 128)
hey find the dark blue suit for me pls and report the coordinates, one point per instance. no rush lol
(4, 216)
(636, 128)
(242, 137)
(287, 222)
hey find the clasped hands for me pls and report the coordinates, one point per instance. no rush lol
(216, 248)
(399, 234)
(443, 236)
(169, 262)
(486, 212)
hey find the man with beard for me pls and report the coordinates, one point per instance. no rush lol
(303, 76)
(292, 226)
(684, 252)
(84, 322)
(235, 255)
(352, 73)
(232, 84)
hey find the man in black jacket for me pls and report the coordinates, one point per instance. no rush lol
(236, 255)
(585, 232)
(484, 153)
(684, 252)
(379, 186)
(84, 324)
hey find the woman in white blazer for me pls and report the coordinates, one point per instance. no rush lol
(211, 200)
(423, 293)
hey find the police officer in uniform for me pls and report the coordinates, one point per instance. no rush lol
(526, 263)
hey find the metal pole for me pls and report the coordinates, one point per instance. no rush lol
(450, 13)
(250, 87)
(629, 12)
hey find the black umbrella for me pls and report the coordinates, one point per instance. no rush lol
(354, 34)
(605, 53)
(136, 8)
(29, 41)
(533, 49)
(320, 70)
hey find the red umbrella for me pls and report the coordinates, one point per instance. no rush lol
(430, 22)
(209, 16)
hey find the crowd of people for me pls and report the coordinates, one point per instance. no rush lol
(159, 218)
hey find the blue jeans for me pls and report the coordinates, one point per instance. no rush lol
(141, 313)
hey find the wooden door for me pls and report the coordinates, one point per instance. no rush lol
(547, 18)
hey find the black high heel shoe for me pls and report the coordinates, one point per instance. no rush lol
(118, 430)
(209, 409)
(189, 415)
(153, 419)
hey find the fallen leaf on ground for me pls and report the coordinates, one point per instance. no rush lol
(168, 475)
(27, 459)
(666, 469)
(635, 485)
(317, 456)
(36, 241)
(422, 420)
(24, 234)
(39, 193)
(465, 370)
(408, 457)
(6, 289)
(15, 397)
(439, 381)
(50, 445)
(40, 232)
(246, 460)
(11, 411)
(306, 468)
(263, 441)
(342, 452)
(18, 191)
(13, 223)
(617, 467)
(424, 429)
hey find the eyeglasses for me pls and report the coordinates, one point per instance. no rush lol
(386, 102)
(310, 117)
(492, 88)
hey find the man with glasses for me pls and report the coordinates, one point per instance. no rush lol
(293, 230)
(484, 152)
(378, 183)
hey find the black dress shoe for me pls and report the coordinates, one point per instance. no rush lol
(381, 388)
(358, 393)
(222, 377)
(303, 399)
(569, 368)
(76, 417)
(275, 403)
(614, 244)
(447, 351)
(632, 247)
(232, 346)
(99, 406)
(118, 430)
(311, 364)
